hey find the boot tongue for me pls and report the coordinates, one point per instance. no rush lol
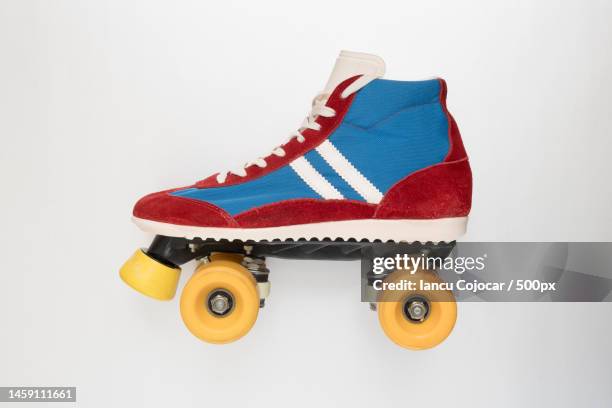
(350, 64)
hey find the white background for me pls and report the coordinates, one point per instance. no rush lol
(102, 102)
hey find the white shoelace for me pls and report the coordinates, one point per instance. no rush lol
(318, 109)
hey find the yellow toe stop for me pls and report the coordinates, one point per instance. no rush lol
(149, 276)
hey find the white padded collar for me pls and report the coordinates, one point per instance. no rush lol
(350, 64)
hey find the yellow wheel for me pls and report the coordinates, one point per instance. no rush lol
(226, 256)
(149, 276)
(220, 302)
(417, 319)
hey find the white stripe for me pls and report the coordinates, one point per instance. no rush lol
(314, 179)
(349, 173)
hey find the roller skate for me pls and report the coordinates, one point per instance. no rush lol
(377, 166)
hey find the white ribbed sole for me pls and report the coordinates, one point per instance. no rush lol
(443, 229)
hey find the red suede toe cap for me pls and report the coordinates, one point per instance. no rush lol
(164, 207)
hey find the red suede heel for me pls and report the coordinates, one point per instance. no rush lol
(439, 191)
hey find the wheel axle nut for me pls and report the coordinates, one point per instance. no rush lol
(219, 304)
(417, 310)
